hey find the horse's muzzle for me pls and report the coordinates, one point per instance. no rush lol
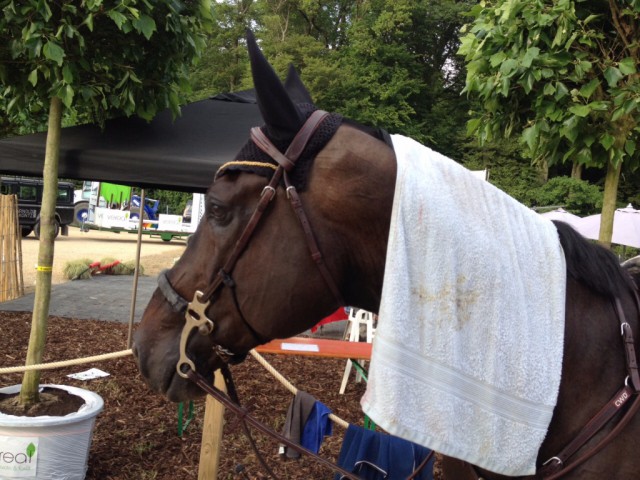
(157, 364)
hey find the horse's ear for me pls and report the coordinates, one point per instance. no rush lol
(281, 115)
(295, 88)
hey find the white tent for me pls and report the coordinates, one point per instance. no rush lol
(564, 216)
(626, 227)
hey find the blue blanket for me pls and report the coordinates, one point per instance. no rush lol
(376, 456)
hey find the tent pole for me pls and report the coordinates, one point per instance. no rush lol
(136, 273)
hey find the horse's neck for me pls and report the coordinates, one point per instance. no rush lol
(361, 172)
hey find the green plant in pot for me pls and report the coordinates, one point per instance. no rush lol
(68, 63)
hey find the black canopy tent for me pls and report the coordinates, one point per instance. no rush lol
(181, 154)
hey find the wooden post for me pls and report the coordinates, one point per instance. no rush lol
(212, 434)
(11, 282)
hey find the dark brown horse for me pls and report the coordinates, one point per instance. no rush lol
(267, 275)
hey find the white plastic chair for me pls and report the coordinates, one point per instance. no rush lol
(357, 318)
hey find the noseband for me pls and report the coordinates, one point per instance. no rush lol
(195, 310)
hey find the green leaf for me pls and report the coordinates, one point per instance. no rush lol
(627, 66)
(580, 110)
(66, 95)
(549, 89)
(617, 113)
(613, 75)
(570, 128)
(588, 140)
(570, 153)
(630, 105)
(587, 90)
(497, 58)
(146, 25)
(559, 38)
(174, 101)
(33, 77)
(531, 54)
(118, 18)
(54, 52)
(472, 125)
(508, 67)
(583, 156)
(31, 450)
(527, 83)
(590, 18)
(586, 66)
(599, 106)
(630, 147)
(89, 22)
(562, 90)
(607, 141)
(505, 85)
(67, 75)
(530, 136)
(123, 80)
(45, 11)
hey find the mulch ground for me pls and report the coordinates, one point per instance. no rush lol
(136, 433)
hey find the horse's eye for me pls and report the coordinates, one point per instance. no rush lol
(218, 213)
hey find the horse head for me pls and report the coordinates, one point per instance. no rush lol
(255, 269)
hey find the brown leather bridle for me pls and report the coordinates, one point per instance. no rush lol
(195, 311)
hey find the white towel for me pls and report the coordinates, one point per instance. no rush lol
(468, 350)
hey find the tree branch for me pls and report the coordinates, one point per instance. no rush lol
(615, 16)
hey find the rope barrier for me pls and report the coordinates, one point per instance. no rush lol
(123, 353)
(66, 363)
(289, 386)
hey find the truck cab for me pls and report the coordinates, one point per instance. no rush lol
(29, 193)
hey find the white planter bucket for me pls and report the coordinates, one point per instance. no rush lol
(48, 448)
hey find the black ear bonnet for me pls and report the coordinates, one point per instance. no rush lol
(251, 153)
(284, 108)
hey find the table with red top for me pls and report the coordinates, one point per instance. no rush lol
(318, 347)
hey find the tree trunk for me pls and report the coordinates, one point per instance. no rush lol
(31, 380)
(609, 203)
(576, 170)
(543, 169)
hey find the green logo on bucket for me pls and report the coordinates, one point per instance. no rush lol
(18, 457)
(31, 450)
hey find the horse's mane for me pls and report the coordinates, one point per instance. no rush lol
(591, 264)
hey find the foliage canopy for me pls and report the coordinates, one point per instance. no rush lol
(100, 57)
(563, 73)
